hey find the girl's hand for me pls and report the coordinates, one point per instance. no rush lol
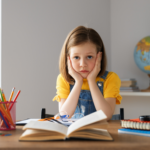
(72, 72)
(93, 74)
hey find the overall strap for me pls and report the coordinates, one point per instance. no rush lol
(71, 86)
(100, 84)
(105, 75)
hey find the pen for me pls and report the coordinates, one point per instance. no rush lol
(14, 100)
(46, 119)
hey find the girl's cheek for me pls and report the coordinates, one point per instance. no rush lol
(93, 64)
(74, 65)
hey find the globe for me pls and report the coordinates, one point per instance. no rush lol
(142, 55)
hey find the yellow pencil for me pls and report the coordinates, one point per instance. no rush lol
(11, 95)
(3, 96)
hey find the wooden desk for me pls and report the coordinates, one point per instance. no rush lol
(121, 141)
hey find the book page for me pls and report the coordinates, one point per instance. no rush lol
(89, 119)
(46, 125)
(40, 135)
(99, 134)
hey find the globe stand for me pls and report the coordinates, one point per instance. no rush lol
(148, 89)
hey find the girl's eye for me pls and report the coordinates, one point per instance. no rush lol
(76, 57)
(89, 57)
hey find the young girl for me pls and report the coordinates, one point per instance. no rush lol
(83, 85)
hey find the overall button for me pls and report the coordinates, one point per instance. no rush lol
(99, 84)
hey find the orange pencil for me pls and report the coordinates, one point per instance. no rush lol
(11, 95)
(14, 100)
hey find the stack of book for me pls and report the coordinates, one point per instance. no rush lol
(135, 126)
(129, 85)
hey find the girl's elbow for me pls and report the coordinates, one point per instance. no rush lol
(109, 118)
(109, 115)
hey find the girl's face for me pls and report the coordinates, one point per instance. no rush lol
(83, 58)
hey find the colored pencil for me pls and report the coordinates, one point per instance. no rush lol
(4, 112)
(1, 115)
(1, 95)
(14, 100)
(11, 95)
(6, 106)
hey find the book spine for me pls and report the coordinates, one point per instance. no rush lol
(135, 125)
(131, 83)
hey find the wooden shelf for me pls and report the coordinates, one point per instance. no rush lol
(135, 93)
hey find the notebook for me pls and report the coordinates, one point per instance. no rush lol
(134, 132)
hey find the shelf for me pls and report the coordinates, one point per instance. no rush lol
(135, 93)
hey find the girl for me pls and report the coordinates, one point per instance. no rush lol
(83, 85)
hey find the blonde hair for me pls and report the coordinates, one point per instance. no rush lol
(76, 37)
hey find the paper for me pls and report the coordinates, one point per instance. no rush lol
(66, 122)
(23, 122)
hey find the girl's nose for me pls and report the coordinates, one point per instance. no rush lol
(83, 63)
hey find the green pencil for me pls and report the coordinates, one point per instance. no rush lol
(1, 95)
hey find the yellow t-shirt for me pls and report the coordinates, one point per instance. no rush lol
(111, 87)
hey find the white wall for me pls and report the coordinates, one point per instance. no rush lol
(0, 41)
(33, 32)
(130, 22)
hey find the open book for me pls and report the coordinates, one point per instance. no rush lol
(88, 127)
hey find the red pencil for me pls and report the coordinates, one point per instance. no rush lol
(14, 100)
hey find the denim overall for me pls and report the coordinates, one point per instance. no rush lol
(85, 104)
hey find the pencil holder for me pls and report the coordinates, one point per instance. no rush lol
(7, 115)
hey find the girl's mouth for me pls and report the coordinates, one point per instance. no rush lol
(84, 71)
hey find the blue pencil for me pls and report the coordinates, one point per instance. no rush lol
(3, 120)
